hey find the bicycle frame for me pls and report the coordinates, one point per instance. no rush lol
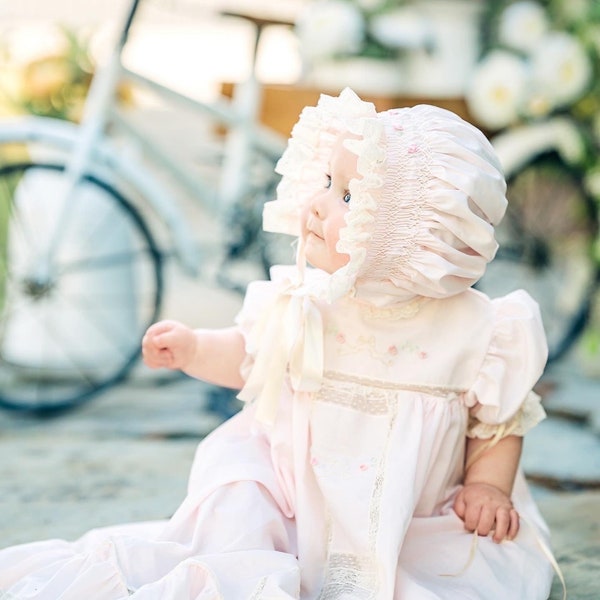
(107, 162)
(88, 149)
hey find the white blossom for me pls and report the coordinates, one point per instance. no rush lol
(561, 68)
(404, 27)
(497, 89)
(517, 146)
(328, 28)
(522, 24)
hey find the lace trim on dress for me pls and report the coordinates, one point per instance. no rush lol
(356, 576)
(405, 310)
(259, 589)
(350, 576)
(354, 384)
(527, 417)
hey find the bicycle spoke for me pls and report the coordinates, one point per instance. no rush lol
(71, 322)
(101, 262)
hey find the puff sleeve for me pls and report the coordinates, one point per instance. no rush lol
(501, 401)
(259, 294)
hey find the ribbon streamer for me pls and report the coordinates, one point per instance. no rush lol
(287, 337)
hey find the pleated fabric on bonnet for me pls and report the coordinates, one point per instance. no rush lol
(429, 193)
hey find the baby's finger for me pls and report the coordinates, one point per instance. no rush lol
(459, 505)
(487, 517)
(158, 359)
(472, 514)
(160, 327)
(502, 525)
(164, 339)
(514, 525)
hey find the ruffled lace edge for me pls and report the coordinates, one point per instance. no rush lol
(304, 164)
(527, 417)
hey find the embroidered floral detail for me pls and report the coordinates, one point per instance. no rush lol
(413, 149)
(336, 466)
(345, 346)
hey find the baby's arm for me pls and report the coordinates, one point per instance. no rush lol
(214, 355)
(484, 502)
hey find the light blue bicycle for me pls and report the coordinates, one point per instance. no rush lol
(81, 264)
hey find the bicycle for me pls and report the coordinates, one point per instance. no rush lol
(93, 187)
(81, 264)
(548, 233)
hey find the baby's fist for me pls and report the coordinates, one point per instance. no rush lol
(485, 508)
(168, 344)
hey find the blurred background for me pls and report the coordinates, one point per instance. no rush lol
(145, 202)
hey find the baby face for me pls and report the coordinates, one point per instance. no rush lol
(324, 214)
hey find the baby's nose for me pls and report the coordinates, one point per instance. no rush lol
(318, 203)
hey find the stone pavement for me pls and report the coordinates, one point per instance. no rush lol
(125, 457)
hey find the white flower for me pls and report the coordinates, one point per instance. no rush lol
(561, 68)
(328, 28)
(518, 145)
(522, 24)
(401, 28)
(497, 88)
(569, 141)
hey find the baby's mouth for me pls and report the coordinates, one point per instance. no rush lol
(311, 231)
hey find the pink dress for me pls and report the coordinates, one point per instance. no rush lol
(349, 494)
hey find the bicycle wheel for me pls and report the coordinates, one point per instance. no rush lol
(71, 319)
(546, 240)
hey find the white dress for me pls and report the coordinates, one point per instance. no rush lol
(349, 494)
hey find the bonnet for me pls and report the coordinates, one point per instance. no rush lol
(422, 215)
(420, 224)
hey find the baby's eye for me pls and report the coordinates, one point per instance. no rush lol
(327, 181)
(347, 197)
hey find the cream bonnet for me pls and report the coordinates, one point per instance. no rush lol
(422, 215)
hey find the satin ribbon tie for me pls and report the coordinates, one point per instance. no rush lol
(287, 337)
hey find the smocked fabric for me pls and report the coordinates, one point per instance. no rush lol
(428, 194)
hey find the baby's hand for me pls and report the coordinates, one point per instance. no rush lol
(168, 344)
(485, 508)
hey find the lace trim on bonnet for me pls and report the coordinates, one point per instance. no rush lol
(304, 165)
(421, 218)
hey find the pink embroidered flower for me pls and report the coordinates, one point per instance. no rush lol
(398, 127)
(340, 338)
(313, 461)
(393, 350)
(363, 467)
(422, 355)
(413, 149)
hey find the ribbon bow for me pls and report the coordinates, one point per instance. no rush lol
(288, 336)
